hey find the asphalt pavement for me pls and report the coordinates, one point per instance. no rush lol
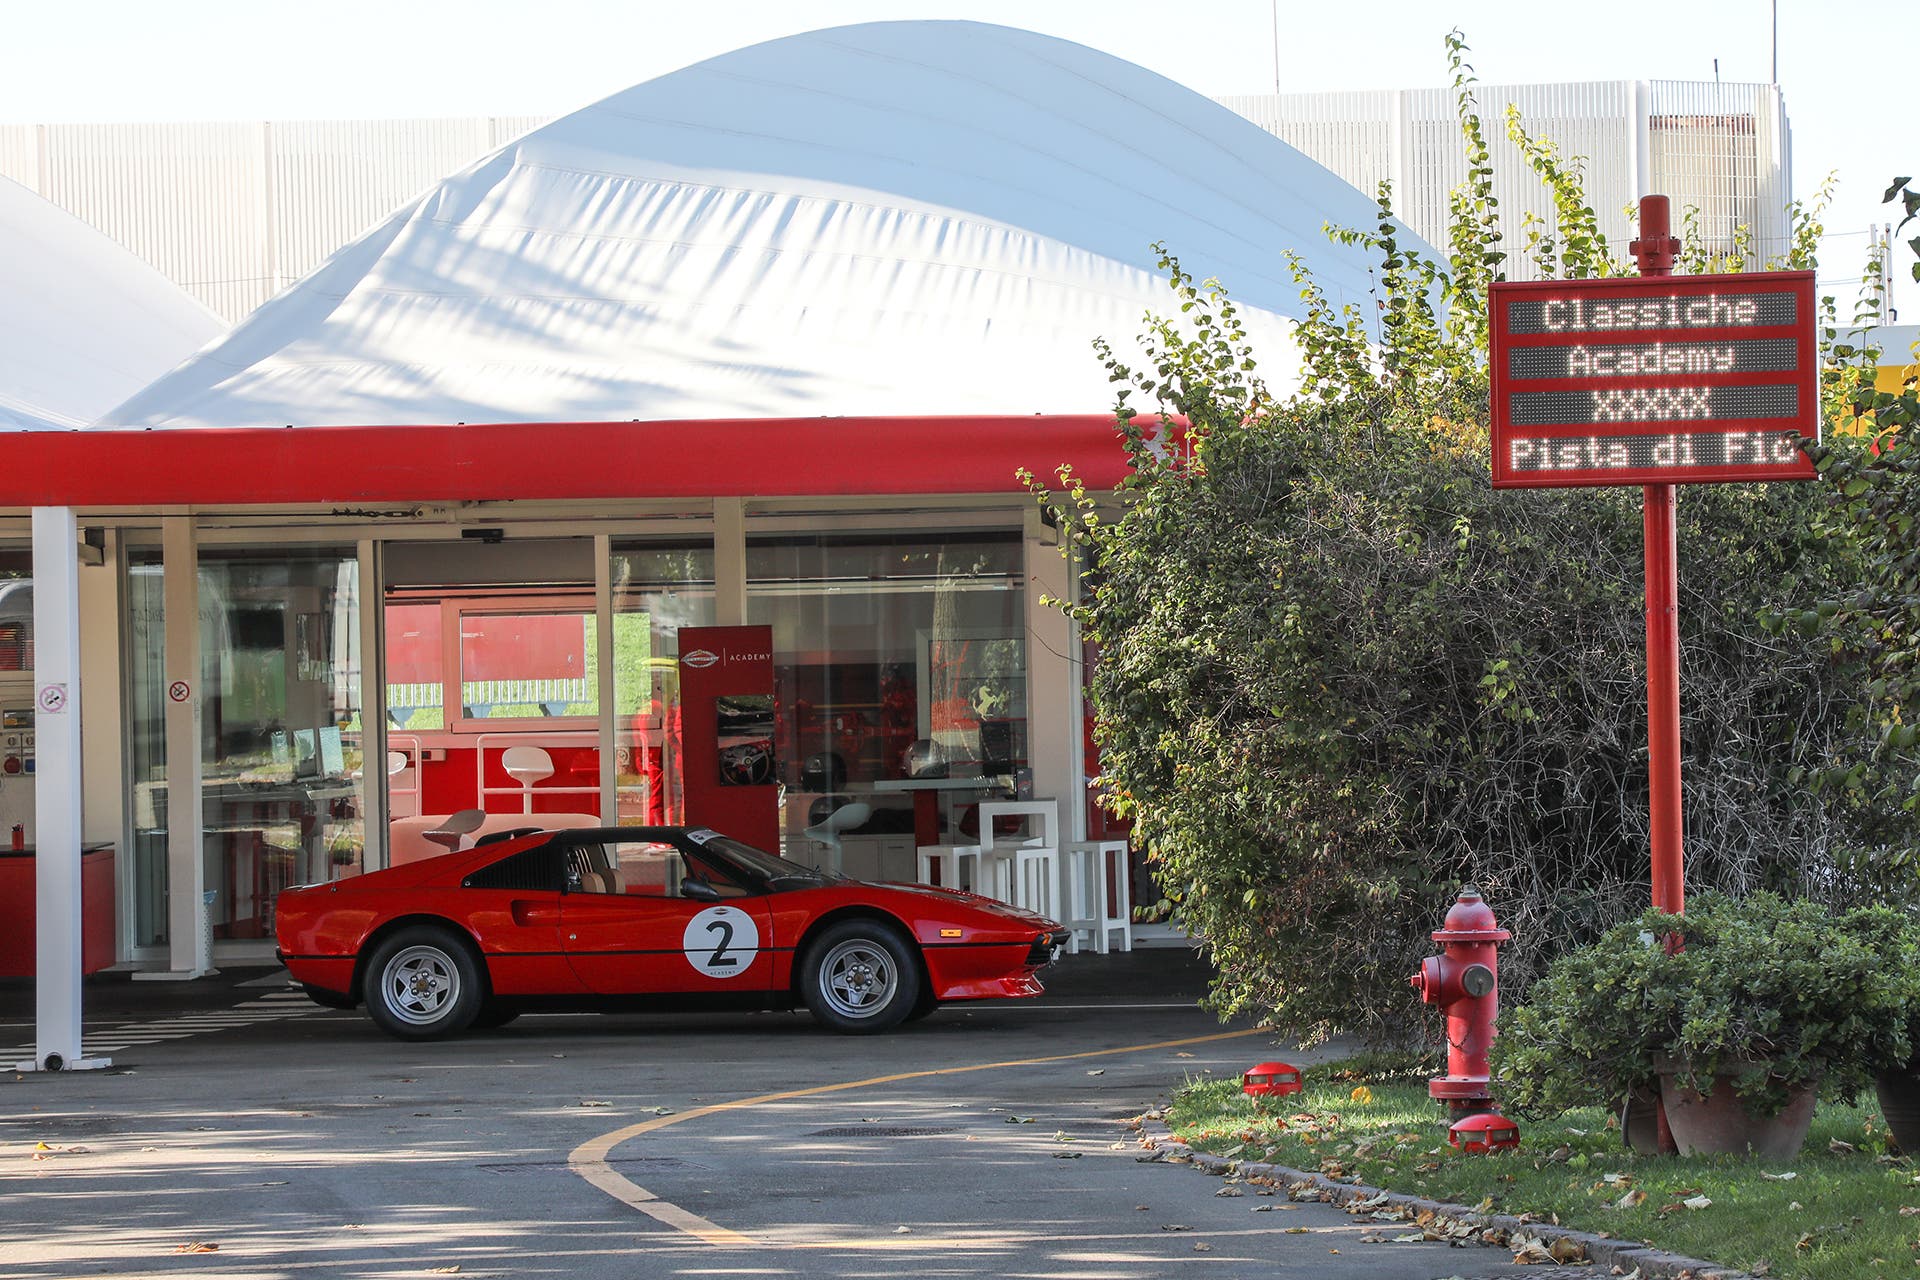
(988, 1140)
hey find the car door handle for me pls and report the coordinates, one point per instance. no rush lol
(530, 913)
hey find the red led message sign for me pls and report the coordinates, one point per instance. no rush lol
(1653, 380)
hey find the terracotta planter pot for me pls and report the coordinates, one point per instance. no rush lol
(1718, 1123)
(1899, 1094)
(1640, 1122)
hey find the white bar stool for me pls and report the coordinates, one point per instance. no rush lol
(948, 861)
(1033, 871)
(1091, 864)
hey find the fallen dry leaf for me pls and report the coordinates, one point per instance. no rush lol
(1567, 1250)
(1697, 1202)
(1201, 1246)
(197, 1246)
(1531, 1254)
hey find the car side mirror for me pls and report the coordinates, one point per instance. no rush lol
(698, 890)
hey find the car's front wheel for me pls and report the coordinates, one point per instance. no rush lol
(861, 977)
(422, 982)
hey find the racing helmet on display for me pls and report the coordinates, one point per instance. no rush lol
(823, 771)
(926, 758)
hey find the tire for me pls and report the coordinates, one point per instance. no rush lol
(860, 977)
(422, 983)
(925, 1005)
(328, 999)
(494, 1014)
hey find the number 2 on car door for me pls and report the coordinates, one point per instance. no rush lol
(721, 942)
(720, 959)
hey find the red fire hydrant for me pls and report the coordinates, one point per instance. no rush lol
(1464, 982)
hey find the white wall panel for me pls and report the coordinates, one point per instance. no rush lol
(1722, 147)
(234, 213)
(20, 154)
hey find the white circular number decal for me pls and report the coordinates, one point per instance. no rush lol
(721, 942)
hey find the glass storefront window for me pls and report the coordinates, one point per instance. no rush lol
(147, 748)
(656, 591)
(896, 657)
(516, 664)
(282, 777)
(528, 665)
(280, 683)
(416, 667)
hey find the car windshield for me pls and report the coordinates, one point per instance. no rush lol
(758, 863)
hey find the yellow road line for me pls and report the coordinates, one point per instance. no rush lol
(589, 1159)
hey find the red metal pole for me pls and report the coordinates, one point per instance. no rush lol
(1654, 250)
(1663, 699)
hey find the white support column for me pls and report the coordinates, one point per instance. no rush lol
(729, 562)
(373, 706)
(1640, 147)
(57, 794)
(603, 679)
(189, 941)
(1052, 673)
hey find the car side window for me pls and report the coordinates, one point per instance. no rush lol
(638, 869)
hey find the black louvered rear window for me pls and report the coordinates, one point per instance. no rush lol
(542, 869)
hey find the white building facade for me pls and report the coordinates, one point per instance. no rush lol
(684, 358)
(1725, 150)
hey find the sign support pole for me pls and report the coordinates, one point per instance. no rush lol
(1654, 250)
(1663, 699)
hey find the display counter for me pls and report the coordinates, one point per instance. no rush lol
(18, 910)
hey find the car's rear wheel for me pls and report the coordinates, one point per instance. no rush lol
(423, 982)
(860, 977)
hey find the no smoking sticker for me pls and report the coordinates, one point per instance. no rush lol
(52, 699)
(179, 691)
(721, 942)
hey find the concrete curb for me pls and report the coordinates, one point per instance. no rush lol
(1623, 1256)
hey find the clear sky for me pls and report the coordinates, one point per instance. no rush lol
(113, 60)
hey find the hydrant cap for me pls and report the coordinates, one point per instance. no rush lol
(1470, 920)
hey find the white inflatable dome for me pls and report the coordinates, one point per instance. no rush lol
(892, 219)
(83, 323)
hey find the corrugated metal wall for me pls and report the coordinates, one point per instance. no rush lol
(234, 213)
(1721, 147)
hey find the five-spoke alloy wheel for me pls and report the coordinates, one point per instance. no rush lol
(861, 976)
(422, 982)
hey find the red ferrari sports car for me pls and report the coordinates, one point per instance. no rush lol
(646, 917)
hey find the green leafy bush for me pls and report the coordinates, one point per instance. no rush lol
(1776, 994)
(1339, 675)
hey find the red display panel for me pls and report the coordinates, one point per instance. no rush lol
(1653, 380)
(727, 722)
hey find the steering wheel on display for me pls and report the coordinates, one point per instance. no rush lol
(747, 764)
